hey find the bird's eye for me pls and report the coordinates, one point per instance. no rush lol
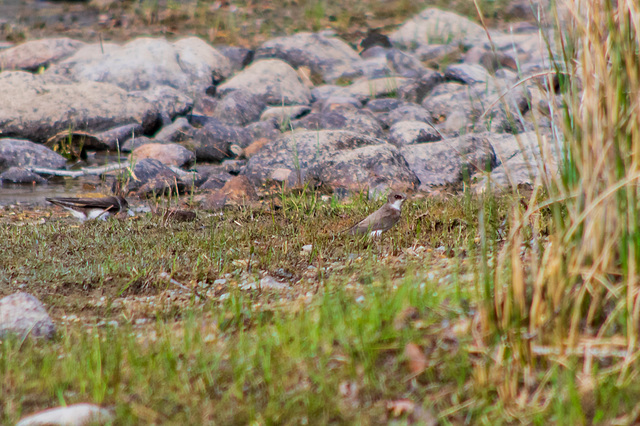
(398, 197)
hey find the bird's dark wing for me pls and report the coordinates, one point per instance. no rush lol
(105, 203)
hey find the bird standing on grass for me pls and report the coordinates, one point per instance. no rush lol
(382, 219)
(92, 208)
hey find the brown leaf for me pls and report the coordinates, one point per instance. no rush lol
(416, 358)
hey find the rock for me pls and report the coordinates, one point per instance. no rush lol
(299, 151)
(520, 161)
(116, 137)
(212, 141)
(376, 167)
(525, 10)
(255, 147)
(458, 108)
(328, 57)
(32, 55)
(406, 112)
(71, 415)
(450, 161)
(384, 104)
(236, 191)
(239, 57)
(204, 105)
(239, 107)
(340, 103)
(404, 64)
(415, 90)
(189, 64)
(23, 314)
(432, 55)
(20, 175)
(178, 131)
(491, 61)
(169, 153)
(324, 91)
(467, 73)
(358, 121)
(375, 88)
(20, 153)
(38, 108)
(273, 80)
(432, 26)
(151, 177)
(267, 283)
(412, 132)
(286, 113)
(133, 143)
(268, 129)
(168, 101)
(216, 181)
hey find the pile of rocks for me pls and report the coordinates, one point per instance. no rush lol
(432, 104)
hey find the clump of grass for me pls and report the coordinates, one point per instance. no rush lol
(569, 301)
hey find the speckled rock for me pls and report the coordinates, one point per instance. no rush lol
(20, 175)
(448, 162)
(212, 141)
(271, 79)
(150, 176)
(285, 114)
(20, 152)
(239, 107)
(467, 73)
(189, 64)
(412, 132)
(37, 107)
(433, 26)
(358, 121)
(376, 167)
(169, 153)
(23, 314)
(168, 101)
(239, 57)
(405, 112)
(328, 57)
(299, 151)
(32, 55)
(116, 137)
(178, 131)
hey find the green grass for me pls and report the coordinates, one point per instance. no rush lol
(331, 349)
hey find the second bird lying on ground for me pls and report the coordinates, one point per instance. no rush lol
(382, 219)
(91, 208)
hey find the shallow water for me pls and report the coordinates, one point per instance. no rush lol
(57, 186)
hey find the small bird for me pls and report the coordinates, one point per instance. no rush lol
(92, 208)
(382, 219)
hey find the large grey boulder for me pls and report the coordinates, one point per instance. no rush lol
(435, 26)
(374, 167)
(291, 156)
(328, 57)
(271, 79)
(169, 102)
(239, 107)
(189, 64)
(150, 177)
(22, 314)
(358, 121)
(450, 161)
(36, 108)
(20, 153)
(32, 55)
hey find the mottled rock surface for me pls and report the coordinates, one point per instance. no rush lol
(22, 314)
